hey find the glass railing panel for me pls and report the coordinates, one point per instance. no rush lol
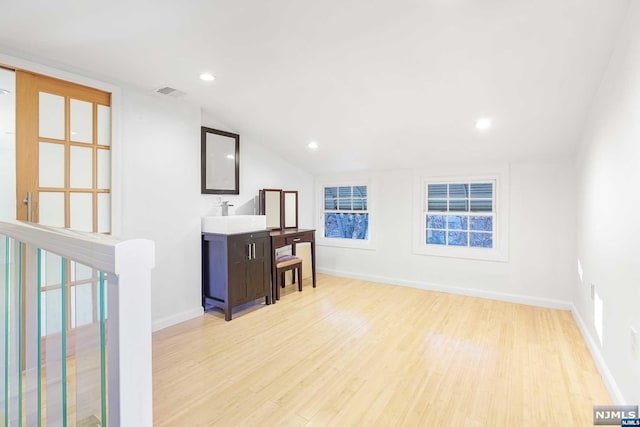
(87, 331)
(102, 280)
(19, 332)
(40, 384)
(32, 394)
(12, 382)
(53, 324)
(5, 272)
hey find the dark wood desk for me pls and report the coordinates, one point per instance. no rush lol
(280, 238)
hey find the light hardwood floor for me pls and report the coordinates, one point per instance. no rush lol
(352, 353)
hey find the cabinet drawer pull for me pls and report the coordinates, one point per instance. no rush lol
(249, 247)
(297, 239)
(253, 254)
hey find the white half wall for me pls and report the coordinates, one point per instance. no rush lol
(608, 229)
(541, 241)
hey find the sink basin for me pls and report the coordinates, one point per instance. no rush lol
(233, 224)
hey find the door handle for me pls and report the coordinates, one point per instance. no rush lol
(29, 202)
(249, 247)
(253, 246)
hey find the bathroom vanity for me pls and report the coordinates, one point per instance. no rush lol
(236, 269)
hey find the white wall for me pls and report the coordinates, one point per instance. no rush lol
(7, 146)
(159, 168)
(7, 178)
(608, 204)
(541, 233)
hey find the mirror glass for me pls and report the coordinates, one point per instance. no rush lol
(220, 157)
(271, 201)
(290, 209)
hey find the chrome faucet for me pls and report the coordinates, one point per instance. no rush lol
(225, 208)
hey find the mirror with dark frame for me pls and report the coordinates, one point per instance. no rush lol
(271, 206)
(219, 162)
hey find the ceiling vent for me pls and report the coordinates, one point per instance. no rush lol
(169, 91)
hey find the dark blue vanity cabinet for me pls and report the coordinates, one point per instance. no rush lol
(236, 269)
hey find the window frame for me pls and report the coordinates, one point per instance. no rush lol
(344, 242)
(500, 178)
(467, 213)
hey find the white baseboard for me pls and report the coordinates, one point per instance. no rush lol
(177, 318)
(609, 381)
(500, 296)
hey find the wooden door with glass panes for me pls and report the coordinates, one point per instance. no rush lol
(63, 179)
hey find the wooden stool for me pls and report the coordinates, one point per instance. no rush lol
(284, 264)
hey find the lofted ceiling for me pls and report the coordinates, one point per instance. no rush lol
(378, 84)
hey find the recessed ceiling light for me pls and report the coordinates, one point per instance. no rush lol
(4, 92)
(313, 145)
(207, 77)
(231, 156)
(483, 124)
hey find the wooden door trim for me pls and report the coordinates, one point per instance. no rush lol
(26, 150)
(72, 90)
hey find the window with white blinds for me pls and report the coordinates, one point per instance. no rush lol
(346, 214)
(461, 214)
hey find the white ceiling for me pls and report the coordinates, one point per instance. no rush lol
(377, 83)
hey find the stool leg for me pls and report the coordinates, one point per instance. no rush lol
(283, 279)
(300, 278)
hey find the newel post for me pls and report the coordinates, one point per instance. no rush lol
(129, 334)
